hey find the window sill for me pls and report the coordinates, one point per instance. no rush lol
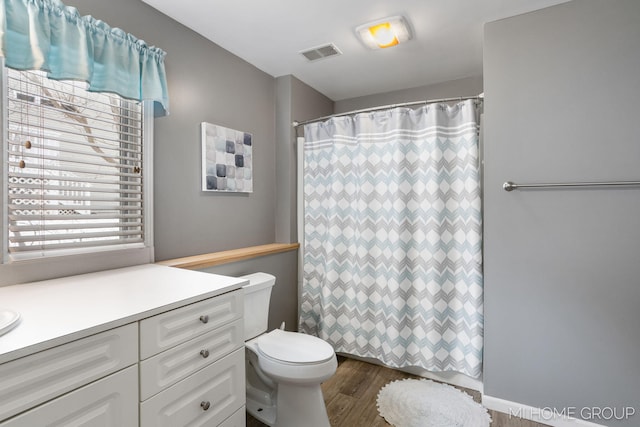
(224, 257)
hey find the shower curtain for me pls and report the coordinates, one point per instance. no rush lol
(392, 262)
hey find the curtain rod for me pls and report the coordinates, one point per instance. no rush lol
(480, 97)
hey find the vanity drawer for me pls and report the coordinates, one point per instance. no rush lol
(34, 379)
(169, 367)
(110, 402)
(206, 398)
(166, 330)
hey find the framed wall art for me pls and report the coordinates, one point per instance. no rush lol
(227, 159)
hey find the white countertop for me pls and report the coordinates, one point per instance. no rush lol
(61, 310)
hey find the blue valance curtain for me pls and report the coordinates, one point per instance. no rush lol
(47, 35)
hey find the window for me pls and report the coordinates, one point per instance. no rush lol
(73, 168)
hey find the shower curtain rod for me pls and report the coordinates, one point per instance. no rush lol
(480, 97)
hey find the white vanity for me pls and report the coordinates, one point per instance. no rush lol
(147, 346)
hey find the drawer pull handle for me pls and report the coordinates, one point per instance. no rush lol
(205, 406)
(204, 319)
(204, 353)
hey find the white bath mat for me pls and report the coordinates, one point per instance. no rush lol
(424, 403)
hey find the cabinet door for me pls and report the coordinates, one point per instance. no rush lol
(206, 398)
(42, 376)
(166, 330)
(169, 367)
(109, 402)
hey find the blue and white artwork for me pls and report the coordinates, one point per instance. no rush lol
(226, 159)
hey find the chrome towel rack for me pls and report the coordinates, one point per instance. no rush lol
(510, 186)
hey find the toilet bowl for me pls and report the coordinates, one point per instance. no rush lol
(284, 369)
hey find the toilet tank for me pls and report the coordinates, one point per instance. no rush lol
(257, 295)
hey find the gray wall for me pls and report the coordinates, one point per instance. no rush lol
(295, 101)
(562, 267)
(206, 83)
(469, 86)
(284, 297)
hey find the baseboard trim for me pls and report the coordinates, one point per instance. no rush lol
(452, 378)
(539, 415)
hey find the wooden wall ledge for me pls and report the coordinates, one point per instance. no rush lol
(224, 257)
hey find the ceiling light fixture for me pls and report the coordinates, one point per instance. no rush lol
(384, 33)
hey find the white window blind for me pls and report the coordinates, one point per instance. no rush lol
(74, 167)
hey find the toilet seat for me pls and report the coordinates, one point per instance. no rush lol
(294, 348)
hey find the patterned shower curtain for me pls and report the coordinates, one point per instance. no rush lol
(392, 264)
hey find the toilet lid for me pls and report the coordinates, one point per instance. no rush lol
(293, 347)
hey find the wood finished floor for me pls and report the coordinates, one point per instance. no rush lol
(350, 397)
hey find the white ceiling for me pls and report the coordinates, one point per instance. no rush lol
(269, 34)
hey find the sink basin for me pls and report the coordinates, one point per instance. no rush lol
(8, 320)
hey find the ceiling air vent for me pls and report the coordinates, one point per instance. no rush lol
(321, 52)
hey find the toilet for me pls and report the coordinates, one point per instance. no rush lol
(284, 370)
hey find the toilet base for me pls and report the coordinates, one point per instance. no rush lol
(260, 392)
(300, 405)
(261, 412)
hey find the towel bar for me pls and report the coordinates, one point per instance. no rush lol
(510, 186)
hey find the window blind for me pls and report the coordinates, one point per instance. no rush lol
(74, 166)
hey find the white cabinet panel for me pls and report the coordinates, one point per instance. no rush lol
(109, 402)
(166, 330)
(173, 365)
(34, 379)
(206, 398)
